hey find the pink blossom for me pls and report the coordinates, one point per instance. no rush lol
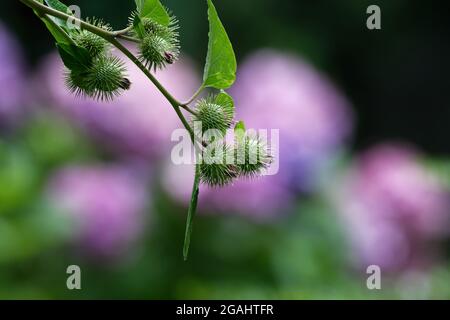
(106, 204)
(394, 208)
(13, 87)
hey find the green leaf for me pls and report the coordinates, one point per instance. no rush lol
(191, 212)
(220, 67)
(57, 5)
(75, 58)
(239, 131)
(224, 99)
(139, 5)
(138, 27)
(240, 126)
(54, 25)
(59, 34)
(154, 10)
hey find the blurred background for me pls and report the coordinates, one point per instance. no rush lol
(364, 160)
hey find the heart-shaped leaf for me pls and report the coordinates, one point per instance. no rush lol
(220, 67)
(224, 99)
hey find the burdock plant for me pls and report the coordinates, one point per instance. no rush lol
(92, 71)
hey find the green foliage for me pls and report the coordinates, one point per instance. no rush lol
(220, 67)
(57, 5)
(74, 57)
(240, 127)
(60, 36)
(16, 176)
(57, 27)
(191, 212)
(154, 10)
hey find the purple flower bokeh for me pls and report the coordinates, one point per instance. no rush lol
(13, 89)
(394, 208)
(106, 204)
(284, 92)
(139, 122)
(279, 91)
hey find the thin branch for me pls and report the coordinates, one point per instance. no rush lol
(108, 35)
(175, 104)
(196, 94)
(185, 107)
(123, 31)
(128, 38)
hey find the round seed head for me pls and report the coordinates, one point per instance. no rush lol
(217, 174)
(75, 81)
(159, 44)
(214, 115)
(252, 156)
(155, 51)
(214, 169)
(103, 80)
(94, 44)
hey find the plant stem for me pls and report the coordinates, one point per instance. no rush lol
(123, 31)
(58, 14)
(112, 37)
(185, 107)
(124, 34)
(191, 213)
(141, 66)
(196, 94)
(175, 104)
(128, 38)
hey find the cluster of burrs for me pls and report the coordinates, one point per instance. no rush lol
(222, 162)
(101, 75)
